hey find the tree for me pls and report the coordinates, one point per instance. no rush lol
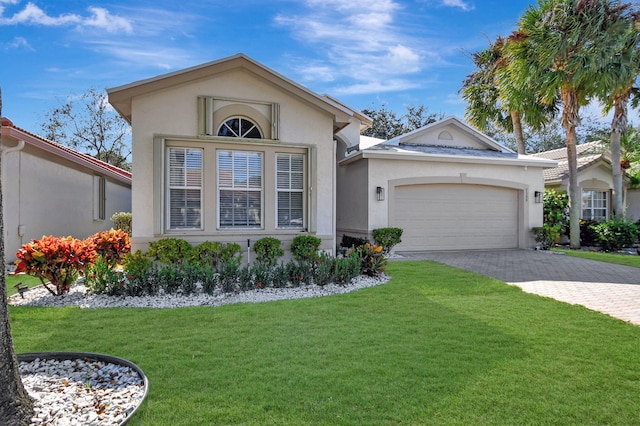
(16, 407)
(563, 48)
(626, 61)
(90, 125)
(387, 125)
(493, 100)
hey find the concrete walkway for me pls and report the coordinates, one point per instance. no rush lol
(605, 287)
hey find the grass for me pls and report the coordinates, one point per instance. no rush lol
(620, 259)
(12, 280)
(436, 345)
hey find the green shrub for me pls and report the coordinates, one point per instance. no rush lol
(351, 242)
(209, 279)
(616, 234)
(173, 251)
(304, 247)
(101, 278)
(322, 269)
(231, 253)
(268, 251)
(387, 237)
(588, 235)
(169, 277)
(546, 235)
(228, 277)
(122, 220)
(207, 253)
(556, 208)
(372, 260)
(299, 273)
(346, 268)
(138, 269)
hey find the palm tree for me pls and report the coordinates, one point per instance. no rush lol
(16, 408)
(626, 62)
(492, 100)
(564, 47)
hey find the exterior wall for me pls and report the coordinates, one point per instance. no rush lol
(388, 173)
(353, 198)
(47, 195)
(174, 111)
(633, 204)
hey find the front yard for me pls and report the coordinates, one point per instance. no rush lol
(436, 345)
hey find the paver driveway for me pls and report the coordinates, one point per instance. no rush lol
(605, 287)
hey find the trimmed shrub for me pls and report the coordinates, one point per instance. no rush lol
(101, 278)
(58, 260)
(111, 245)
(138, 269)
(172, 251)
(616, 234)
(387, 238)
(268, 251)
(122, 221)
(305, 247)
(546, 235)
(346, 268)
(208, 253)
(588, 235)
(231, 253)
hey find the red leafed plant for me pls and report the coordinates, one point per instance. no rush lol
(58, 260)
(111, 245)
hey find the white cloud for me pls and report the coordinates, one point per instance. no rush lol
(466, 6)
(18, 43)
(98, 17)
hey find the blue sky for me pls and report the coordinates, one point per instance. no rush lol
(365, 53)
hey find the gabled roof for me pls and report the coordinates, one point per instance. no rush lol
(468, 145)
(9, 130)
(588, 155)
(481, 140)
(120, 97)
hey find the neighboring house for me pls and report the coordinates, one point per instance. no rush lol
(49, 189)
(594, 178)
(232, 151)
(446, 185)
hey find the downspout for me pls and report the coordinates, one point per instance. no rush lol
(6, 151)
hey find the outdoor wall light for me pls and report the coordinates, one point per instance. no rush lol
(380, 193)
(537, 195)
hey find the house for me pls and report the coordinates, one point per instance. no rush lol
(49, 189)
(594, 177)
(448, 186)
(232, 151)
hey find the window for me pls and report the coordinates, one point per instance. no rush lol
(595, 205)
(239, 189)
(239, 127)
(290, 190)
(184, 189)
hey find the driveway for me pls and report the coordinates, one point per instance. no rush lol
(605, 287)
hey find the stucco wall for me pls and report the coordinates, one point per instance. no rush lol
(352, 200)
(174, 111)
(633, 204)
(47, 195)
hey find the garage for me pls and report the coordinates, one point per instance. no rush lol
(455, 216)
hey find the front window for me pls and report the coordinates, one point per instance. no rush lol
(240, 189)
(290, 190)
(595, 205)
(239, 127)
(184, 191)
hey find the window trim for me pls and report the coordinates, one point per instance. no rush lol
(592, 209)
(207, 109)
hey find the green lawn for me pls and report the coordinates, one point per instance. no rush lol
(28, 280)
(620, 259)
(436, 345)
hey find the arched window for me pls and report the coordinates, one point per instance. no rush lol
(239, 127)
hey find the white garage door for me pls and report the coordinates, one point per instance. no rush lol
(456, 216)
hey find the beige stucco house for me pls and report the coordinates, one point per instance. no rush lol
(446, 185)
(50, 189)
(232, 151)
(594, 178)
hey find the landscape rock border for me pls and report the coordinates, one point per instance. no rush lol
(95, 357)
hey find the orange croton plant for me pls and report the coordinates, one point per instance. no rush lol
(111, 245)
(58, 260)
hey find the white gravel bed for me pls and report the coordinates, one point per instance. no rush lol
(81, 391)
(79, 296)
